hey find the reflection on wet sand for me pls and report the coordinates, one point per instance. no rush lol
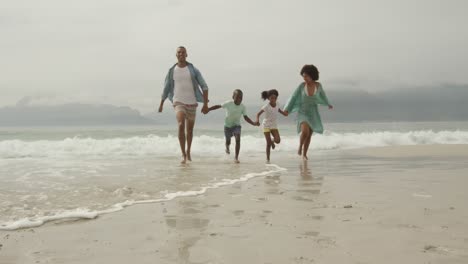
(307, 177)
(273, 183)
(306, 173)
(187, 227)
(189, 222)
(308, 185)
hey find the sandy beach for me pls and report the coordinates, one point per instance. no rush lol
(376, 205)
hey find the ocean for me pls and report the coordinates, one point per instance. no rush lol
(61, 173)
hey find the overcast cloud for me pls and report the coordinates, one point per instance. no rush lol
(118, 52)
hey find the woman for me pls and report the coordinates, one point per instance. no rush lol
(305, 100)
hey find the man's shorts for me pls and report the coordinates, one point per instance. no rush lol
(190, 111)
(231, 131)
(268, 130)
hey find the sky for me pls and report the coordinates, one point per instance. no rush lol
(118, 52)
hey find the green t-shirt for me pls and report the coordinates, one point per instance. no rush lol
(233, 113)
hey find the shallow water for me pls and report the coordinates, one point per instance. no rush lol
(53, 173)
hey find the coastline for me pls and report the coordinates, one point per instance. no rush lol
(375, 205)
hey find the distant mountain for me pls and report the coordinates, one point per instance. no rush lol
(437, 103)
(70, 114)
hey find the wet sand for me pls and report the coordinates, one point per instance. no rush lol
(380, 205)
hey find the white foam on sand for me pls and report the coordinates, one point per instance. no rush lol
(83, 213)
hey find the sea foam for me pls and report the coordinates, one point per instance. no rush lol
(83, 213)
(168, 146)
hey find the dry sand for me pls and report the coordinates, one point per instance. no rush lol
(381, 205)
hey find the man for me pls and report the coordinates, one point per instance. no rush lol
(185, 87)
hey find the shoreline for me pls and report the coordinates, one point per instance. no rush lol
(347, 207)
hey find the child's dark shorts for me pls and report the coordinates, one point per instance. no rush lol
(231, 131)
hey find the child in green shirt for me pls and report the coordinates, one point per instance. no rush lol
(234, 111)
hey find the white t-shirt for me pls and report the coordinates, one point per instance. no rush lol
(183, 86)
(270, 116)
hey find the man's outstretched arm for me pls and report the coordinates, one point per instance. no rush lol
(214, 107)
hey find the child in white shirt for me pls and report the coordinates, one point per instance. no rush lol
(270, 126)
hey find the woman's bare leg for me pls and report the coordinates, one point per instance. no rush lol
(307, 143)
(305, 130)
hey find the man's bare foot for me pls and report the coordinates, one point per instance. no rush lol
(183, 160)
(273, 145)
(227, 150)
(304, 157)
(236, 161)
(268, 161)
(299, 152)
(189, 158)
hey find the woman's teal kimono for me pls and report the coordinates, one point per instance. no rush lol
(307, 107)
